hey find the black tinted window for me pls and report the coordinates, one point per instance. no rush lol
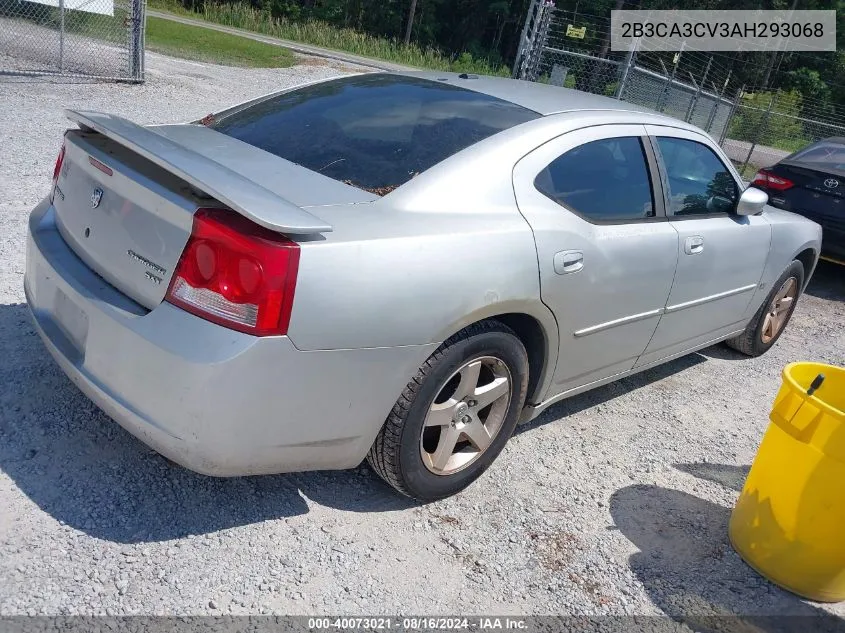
(374, 131)
(699, 183)
(604, 180)
(823, 154)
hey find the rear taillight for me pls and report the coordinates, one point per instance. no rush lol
(768, 179)
(57, 170)
(236, 273)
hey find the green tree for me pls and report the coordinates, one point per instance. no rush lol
(770, 118)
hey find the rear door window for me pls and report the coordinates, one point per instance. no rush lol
(603, 181)
(374, 131)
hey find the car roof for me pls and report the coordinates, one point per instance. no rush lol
(543, 98)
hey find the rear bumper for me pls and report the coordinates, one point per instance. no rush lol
(213, 400)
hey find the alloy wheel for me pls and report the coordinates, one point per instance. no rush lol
(778, 310)
(466, 415)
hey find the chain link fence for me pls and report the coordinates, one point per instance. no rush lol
(689, 102)
(768, 126)
(572, 49)
(554, 52)
(85, 38)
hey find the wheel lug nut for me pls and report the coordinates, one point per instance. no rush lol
(472, 403)
(465, 419)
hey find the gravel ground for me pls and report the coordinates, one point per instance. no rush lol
(614, 502)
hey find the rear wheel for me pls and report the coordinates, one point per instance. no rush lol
(771, 319)
(456, 414)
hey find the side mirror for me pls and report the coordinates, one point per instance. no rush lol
(752, 201)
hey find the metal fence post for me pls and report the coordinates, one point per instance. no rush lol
(737, 100)
(630, 60)
(717, 103)
(61, 35)
(142, 40)
(541, 32)
(136, 42)
(524, 40)
(694, 101)
(661, 103)
(763, 124)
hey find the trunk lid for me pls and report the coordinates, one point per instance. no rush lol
(129, 227)
(126, 195)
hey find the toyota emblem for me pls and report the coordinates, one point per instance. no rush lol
(831, 183)
(96, 197)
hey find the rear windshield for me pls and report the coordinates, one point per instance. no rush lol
(373, 131)
(829, 154)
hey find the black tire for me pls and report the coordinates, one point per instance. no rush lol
(395, 454)
(751, 342)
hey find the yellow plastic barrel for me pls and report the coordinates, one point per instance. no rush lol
(789, 522)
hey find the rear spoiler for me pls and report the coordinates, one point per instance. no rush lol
(238, 192)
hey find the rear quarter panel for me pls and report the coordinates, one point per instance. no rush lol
(418, 282)
(447, 249)
(433, 276)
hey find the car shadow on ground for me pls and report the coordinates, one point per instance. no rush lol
(828, 282)
(85, 471)
(690, 571)
(722, 352)
(600, 395)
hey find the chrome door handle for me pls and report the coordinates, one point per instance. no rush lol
(566, 262)
(693, 244)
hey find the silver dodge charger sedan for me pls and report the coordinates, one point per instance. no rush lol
(393, 266)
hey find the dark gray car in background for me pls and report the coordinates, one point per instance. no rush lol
(811, 182)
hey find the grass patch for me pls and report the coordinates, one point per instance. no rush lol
(328, 36)
(791, 144)
(205, 45)
(748, 172)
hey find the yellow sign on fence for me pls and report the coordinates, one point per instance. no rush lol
(576, 32)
